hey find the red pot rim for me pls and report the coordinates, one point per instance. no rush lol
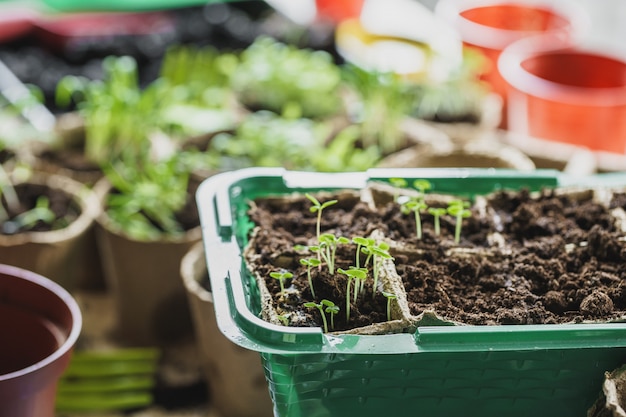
(577, 22)
(510, 65)
(62, 295)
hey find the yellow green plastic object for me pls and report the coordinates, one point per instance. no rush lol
(124, 5)
(444, 371)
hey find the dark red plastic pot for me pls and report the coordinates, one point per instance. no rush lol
(39, 325)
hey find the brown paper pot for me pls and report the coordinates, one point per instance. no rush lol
(145, 284)
(476, 154)
(612, 401)
(39, 325)
(235, 375)
(66, 255)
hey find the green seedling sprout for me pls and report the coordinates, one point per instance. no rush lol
(283, 319)
(310, 263)
(422, 185)
(437, 212)
(324, 303)
(360, 243)
(331, 309)
(41, 212)
(281, 277)
(318, 207)
(398, 183)
(458, 209)
(351, 273)
(377, 253)
(415, 205)
(327, 249)
(389, 296)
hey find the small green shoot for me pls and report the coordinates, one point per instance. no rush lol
(389, 296)
(415, 205)
(318, 208)
(310, 263)
(328, 249)
(351, 273)
(324, 303)
(41, 212)
(437, 212)
(377, 253)
(422, 185)
(458, 209)
(398, 183)
(360, 243)
(283, 319)
(281, 277)
(331, 309)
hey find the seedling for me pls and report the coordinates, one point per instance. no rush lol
(283, 319)
(41, 212)
(310, 263)
(458, 209)
(360, 243)
(377, 253)
(329, 305)
(281, 277)
(389, 296)
(415, 205)
(398, 183)
(331, 309)
(327, 249)
(319, 207)
(351, 273)
(437, 212)
(422, 185)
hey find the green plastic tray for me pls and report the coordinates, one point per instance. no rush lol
(543, 370)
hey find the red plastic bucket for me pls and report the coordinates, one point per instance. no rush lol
(489, 26)
(568, 94)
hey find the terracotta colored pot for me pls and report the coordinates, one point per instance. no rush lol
(567, 94)
(489, 26)
(39, 325)
(66, 256)
(235, 375)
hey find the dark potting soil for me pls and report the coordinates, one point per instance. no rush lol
(553, 257)
(64, 207)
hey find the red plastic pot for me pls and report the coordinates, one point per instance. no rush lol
(337, 11)
(489, 26)
(39, 325)
(14, 21)
(569, 94)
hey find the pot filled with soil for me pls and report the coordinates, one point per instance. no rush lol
(40, 323)
(48, 221)
(149, 221)
(489, 290)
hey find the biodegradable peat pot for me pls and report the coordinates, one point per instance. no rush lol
(144, 280)
(40, 323)
(65, 255)
(612, 400)
(413, 361)
(235, 375)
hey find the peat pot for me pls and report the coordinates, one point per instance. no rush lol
(39, 325)
(234, 375)
(409, 362)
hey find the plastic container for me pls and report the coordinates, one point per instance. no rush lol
(338, 10)
(489, 26)
(564, 93)
(554, 370)
(39, 325)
